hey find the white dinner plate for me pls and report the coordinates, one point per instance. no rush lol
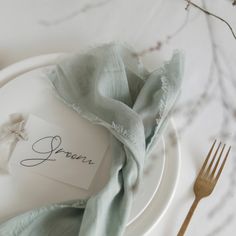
(24, 94)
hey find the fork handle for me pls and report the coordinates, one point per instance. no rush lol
(188, 217)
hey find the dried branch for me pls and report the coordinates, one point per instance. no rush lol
(189, 2)
(159, 44)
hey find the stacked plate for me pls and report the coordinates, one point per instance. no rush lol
(24, 88)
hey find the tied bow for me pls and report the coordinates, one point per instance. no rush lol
(10, 133)
(14, 128)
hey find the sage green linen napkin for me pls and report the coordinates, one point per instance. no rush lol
(109, 87)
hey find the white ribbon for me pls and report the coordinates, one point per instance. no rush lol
(10, 133)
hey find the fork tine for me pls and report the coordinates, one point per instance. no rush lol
(217, 163)
(212, 161)
(207, 158)
(222, 165)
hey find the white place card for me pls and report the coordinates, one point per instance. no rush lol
(72, 158)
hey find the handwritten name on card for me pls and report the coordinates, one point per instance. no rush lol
(54, 147)
(72, 158)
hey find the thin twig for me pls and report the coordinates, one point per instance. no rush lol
(188, 4)
(159, 43)
(213, 15)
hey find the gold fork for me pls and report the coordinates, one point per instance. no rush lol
(205, 182)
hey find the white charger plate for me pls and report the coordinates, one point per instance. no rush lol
(151, 198)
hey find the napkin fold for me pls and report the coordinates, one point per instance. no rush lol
(110, 87)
